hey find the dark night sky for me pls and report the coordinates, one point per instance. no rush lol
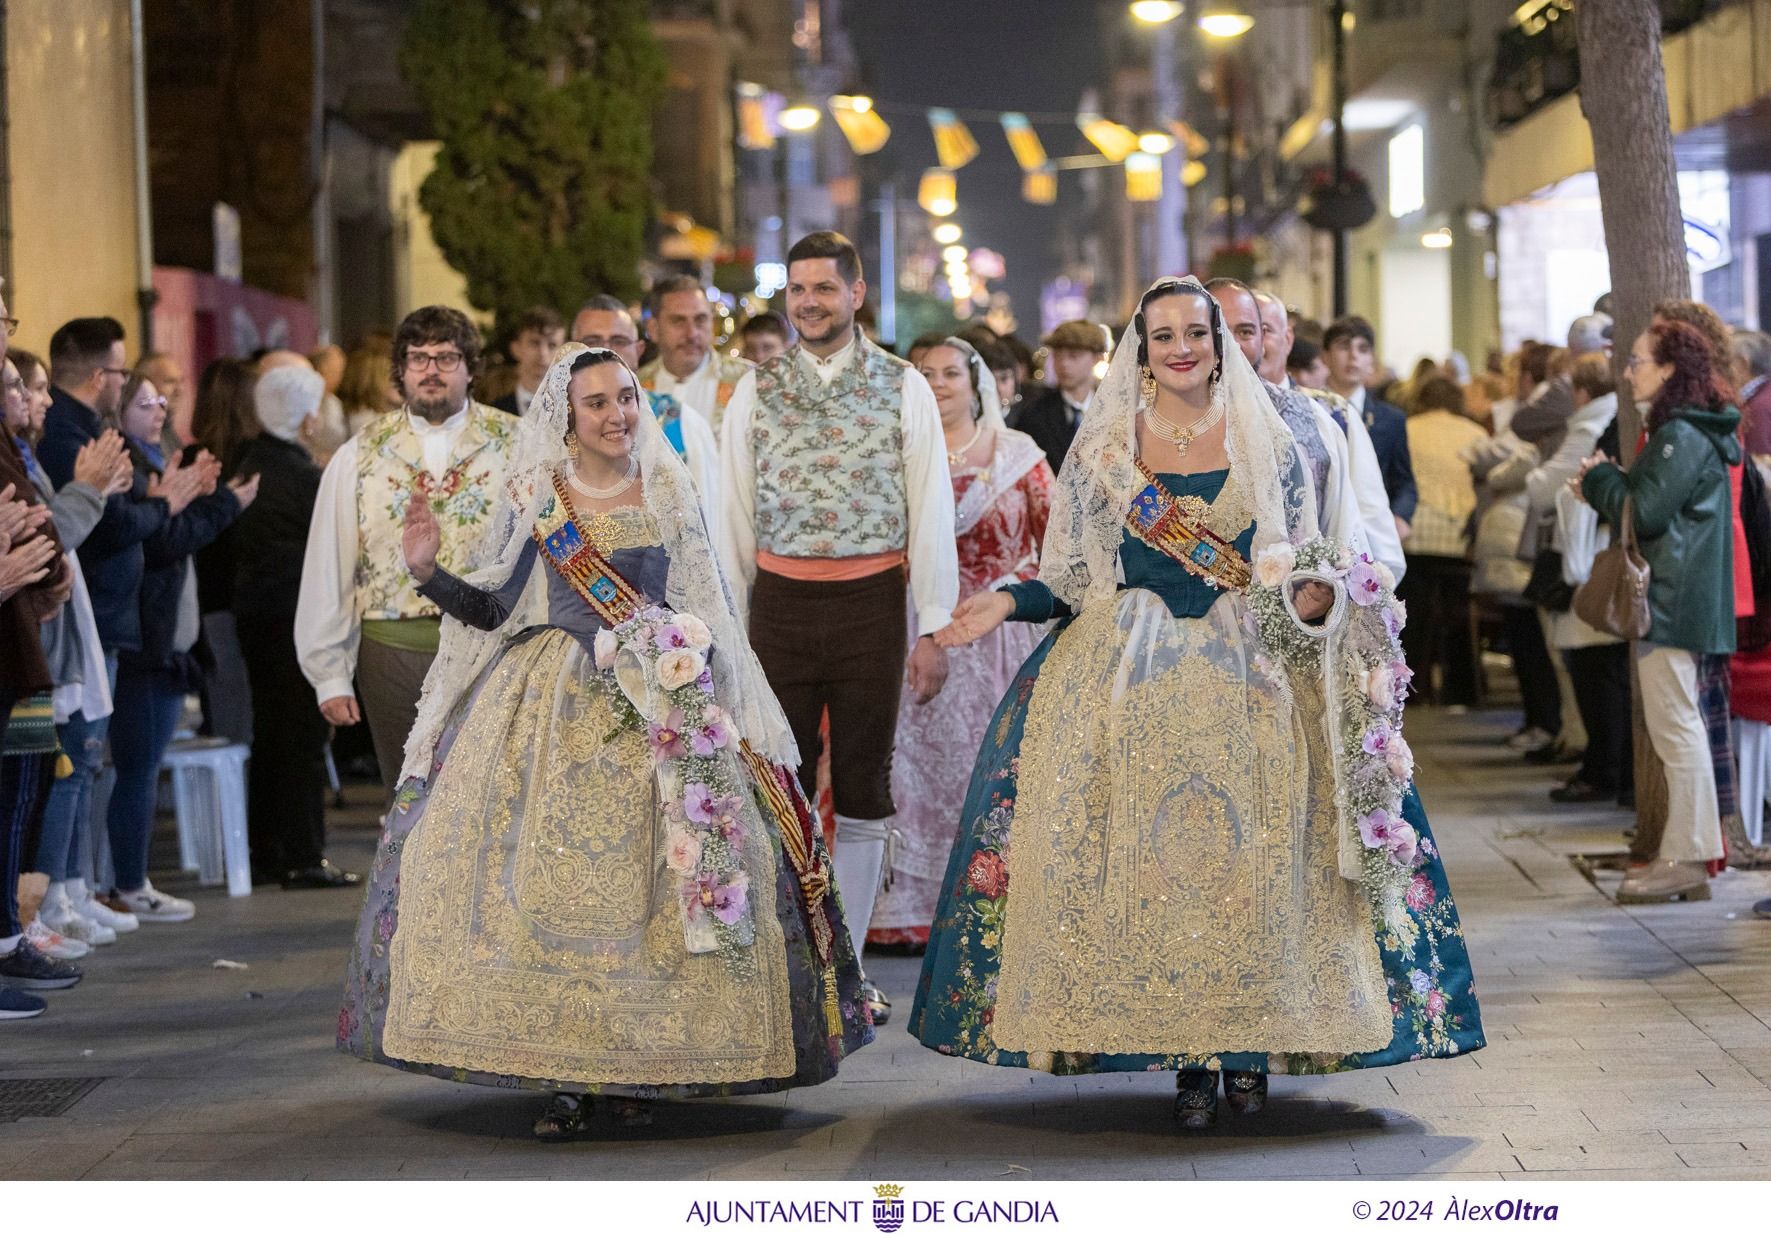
(1004, 55)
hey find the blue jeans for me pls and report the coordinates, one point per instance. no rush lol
(147, 712)
(67, 816)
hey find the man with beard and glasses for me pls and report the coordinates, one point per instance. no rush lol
(836, 487)
(359, 613)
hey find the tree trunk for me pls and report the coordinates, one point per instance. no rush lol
(1623, 96)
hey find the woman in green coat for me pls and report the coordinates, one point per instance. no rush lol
(1682, 513)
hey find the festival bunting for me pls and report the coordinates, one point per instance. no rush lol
(954, 144)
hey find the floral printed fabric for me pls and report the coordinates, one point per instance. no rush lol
(390, 468)
(1432, 992)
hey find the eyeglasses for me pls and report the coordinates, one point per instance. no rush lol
(11, 324)
(445, 362)
(14, 386)
(611, 341)
(1632, 362)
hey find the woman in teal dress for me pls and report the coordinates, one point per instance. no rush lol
(1158, 866)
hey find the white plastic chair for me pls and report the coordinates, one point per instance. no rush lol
(209, 796)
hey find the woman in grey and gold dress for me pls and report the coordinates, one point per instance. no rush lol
(540, 913)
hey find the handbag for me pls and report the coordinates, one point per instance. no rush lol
(1614, 598)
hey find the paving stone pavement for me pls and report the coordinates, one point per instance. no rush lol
(1624, 1043)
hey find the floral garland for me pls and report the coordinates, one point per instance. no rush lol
(662, 657)
(1366, 683)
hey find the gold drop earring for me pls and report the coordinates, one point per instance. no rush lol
(1147, 388)
(572, 443)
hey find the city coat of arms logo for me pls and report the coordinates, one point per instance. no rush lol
(888, 1207)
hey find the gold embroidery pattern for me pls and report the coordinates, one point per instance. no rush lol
(539, 934)
(1173, 866)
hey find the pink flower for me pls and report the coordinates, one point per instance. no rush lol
(1400, 758)
(1420, 893)
(694, 630)
(705, 682)
(1401, 843)
(669, 637)
(726, 897)
(703, 806)
(679, 667)
(715, 735)
(1395, 617)
(682, 852)
(1374, 829)
(604, 648)
(666, 740)
(1364, 584)
(1436, 1003)
(1379, 685)
(1377, 739)
(1404, 676)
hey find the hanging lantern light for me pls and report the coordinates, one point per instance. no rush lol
(754, 132)
(1112, 139)
(1029, 151)
(947, 233)
(800, 116)
(938, 192)
(865, 128)
(954, 144)
(1143, 177)
(1194, 173)
(1040, 186)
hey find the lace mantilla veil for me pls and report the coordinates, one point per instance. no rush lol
(1080, 561)
(695, 585)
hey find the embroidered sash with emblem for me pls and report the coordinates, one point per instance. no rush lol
(1175, 527)
(581, 564)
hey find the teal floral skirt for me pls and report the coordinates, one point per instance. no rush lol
(1432, 992)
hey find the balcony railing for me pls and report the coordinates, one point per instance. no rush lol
(1537, 59)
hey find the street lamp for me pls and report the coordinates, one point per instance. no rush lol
(1225, 20)
(1155, 12)
(1156, 142)
(948, 233)
(800, 116)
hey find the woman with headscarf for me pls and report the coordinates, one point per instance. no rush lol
(1157, 866)
(1002, 492)
(288, 785)
(599, 876)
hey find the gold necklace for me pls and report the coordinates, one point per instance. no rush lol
(1182, 437)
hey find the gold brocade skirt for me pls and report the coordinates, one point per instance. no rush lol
(540, 933)
(1173, 866)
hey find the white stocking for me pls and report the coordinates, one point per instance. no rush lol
(858, 856)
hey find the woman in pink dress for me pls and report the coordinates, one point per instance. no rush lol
(1002, 492)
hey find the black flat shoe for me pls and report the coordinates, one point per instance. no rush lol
(566, 1118)
(1196, 1102)
(877, 1003)
(1555, 752)
(1246, 1092)
(1578, 791)
(325, 875)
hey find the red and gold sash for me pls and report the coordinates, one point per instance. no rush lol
(779, 790)
(1160, 520)
(581, 564)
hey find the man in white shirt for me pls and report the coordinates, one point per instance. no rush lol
(1350, 496)
(687, 367)
(603, 321)
(359, 614)
(835, 483)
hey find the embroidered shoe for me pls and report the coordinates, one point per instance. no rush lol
(152, 905)
(877, 1003)
(53, 944)
(1246, 1092)
(1196, 1102)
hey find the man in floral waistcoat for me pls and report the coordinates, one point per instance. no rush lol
(836, 490)
(359, 614)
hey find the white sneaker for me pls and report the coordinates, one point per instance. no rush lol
(56, 947)
(151, 905)
(1527, 740)
(58, 915)
(84, 903)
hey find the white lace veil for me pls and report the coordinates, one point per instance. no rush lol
(695, 583)
(983, 382)
(1100, 477)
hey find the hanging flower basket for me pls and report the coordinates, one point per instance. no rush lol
(1234, 261)
(1336, 206)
